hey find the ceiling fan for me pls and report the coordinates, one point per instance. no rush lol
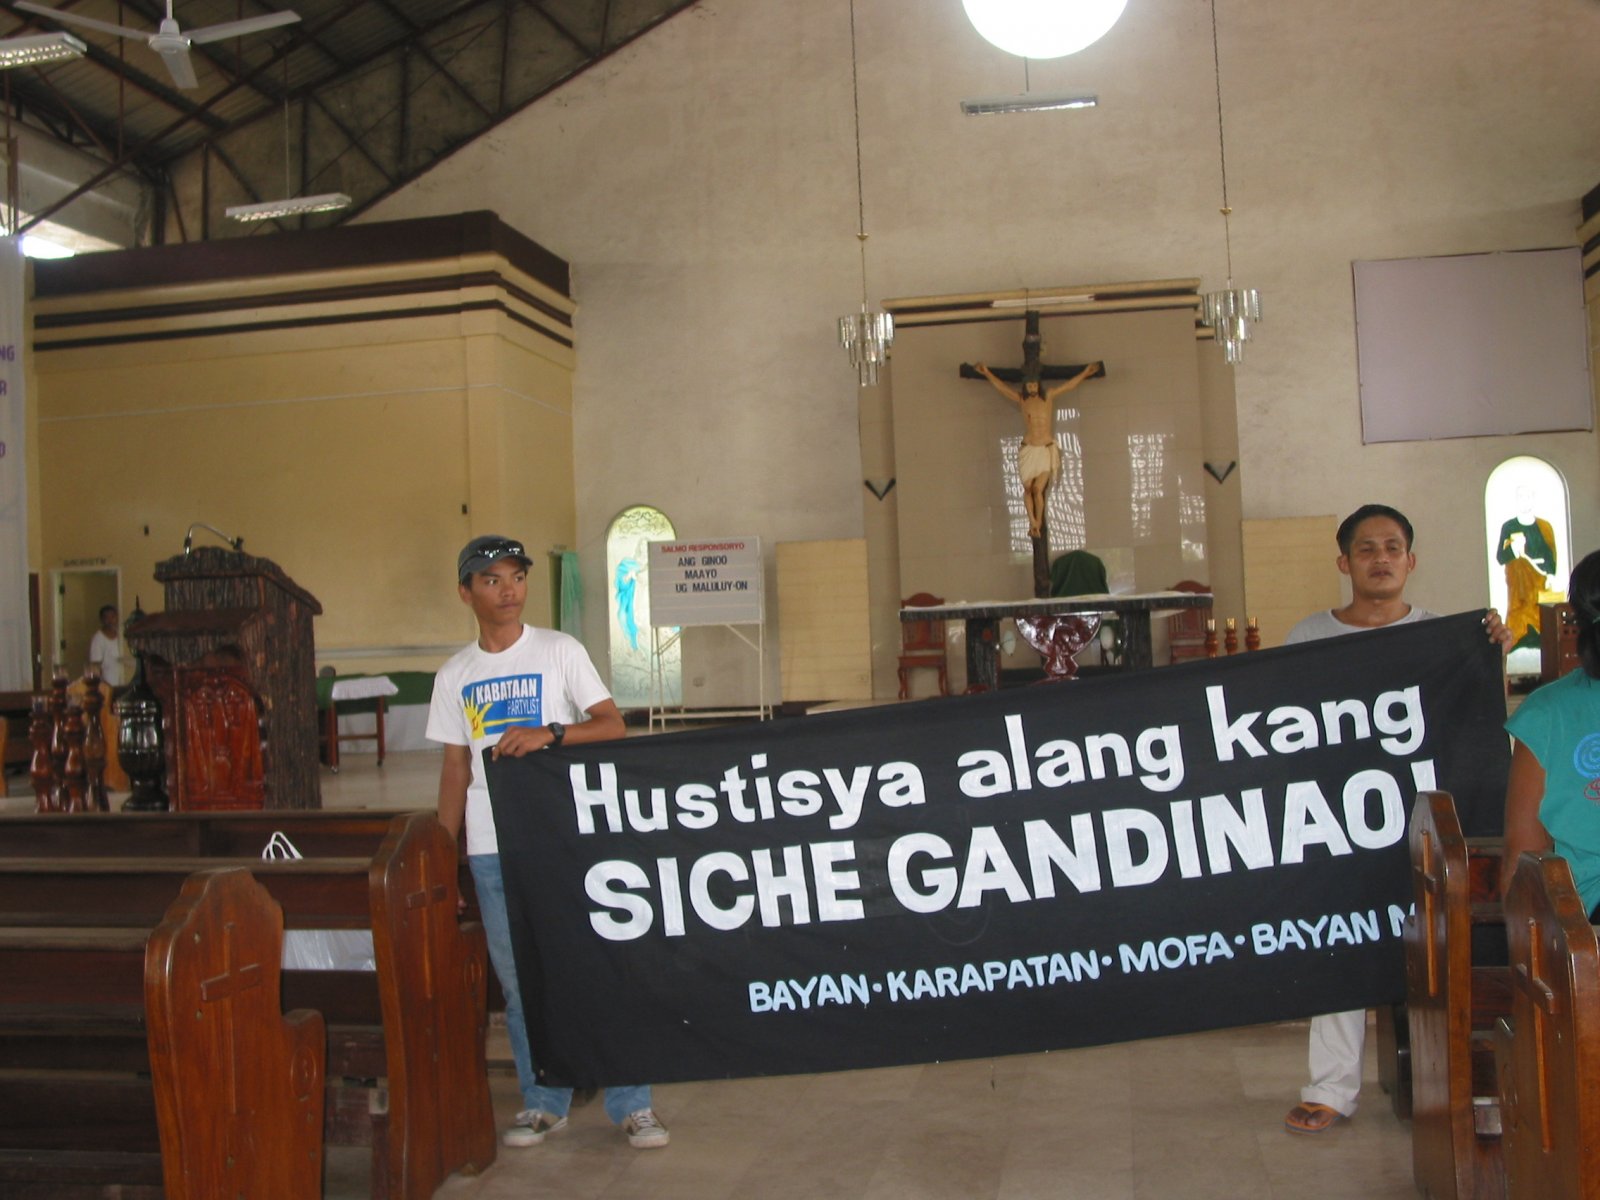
(170, 42)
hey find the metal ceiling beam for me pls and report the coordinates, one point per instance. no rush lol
(118, 68)
(505, 52)
(404, 42)
(422, 49)
(362, 204)
(211, 52)
(338, 78)
(130, 155)
(350, 136)
(587, 51)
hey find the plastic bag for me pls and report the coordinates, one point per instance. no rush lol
(328, 950)
(320, 949)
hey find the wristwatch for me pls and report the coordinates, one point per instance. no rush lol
(558, 731)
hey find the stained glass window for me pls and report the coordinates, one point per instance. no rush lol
(628, 593)
(1530, 549)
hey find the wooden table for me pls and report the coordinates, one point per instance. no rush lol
(983, 619)
(351, 688)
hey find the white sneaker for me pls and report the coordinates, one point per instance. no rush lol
(645, 1130)
(530, 1127)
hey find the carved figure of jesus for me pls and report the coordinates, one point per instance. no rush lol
(1039, 457)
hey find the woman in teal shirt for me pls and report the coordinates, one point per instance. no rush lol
(1553, 794)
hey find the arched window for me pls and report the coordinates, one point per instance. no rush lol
(1530, 548)
(628, 596)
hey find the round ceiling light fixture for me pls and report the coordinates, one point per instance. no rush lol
(1043, 28)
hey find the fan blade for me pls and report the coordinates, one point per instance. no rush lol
(179, 67)
(215, 33)
(67, 18)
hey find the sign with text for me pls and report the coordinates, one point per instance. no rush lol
(1212, 844)
(711, 582)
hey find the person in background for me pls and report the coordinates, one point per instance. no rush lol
(105, 647)
(1553, 792)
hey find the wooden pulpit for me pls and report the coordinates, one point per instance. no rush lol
(232, 663)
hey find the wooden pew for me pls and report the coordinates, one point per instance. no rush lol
(419, 1020)
(1548, 1053)
(238, 1088)
(337, 833)
(207, 976)
(1451, 1005)
(1393, 1030)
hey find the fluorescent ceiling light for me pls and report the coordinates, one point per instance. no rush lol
(292, 207)
(1043, 28)
(38, 48)
(1036, 301)
(989, 105)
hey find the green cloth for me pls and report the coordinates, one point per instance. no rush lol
(416, 687)
(1078, 573)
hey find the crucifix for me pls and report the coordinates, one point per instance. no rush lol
(1039, 456)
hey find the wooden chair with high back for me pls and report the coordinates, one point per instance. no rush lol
(1186, 629)
(922, 644)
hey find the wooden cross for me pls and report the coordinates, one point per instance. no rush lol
(1545, 1002)
(223, 989)
(1432, 938)
(428, 895)
(1034, 372)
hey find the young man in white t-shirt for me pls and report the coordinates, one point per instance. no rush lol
(555, 697)
(1375, 553)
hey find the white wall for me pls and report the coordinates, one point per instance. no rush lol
(702, 184)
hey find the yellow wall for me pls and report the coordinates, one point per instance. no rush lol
(358, 457)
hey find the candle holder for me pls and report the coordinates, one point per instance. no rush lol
(139, 744)
(94, 743)
(41, 729)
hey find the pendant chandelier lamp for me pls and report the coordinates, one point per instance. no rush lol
(866, 335)
(1231, 312)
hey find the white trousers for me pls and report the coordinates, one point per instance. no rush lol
(1336, 1044)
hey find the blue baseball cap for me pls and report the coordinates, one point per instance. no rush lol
(490, 548)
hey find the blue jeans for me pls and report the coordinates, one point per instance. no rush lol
(620, 1101)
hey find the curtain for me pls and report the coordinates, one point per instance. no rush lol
(570, 618)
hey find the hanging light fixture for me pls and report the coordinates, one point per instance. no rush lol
(36, 48)
(866, 335)
(1231, 311)
(290, 206)
(1043, 28)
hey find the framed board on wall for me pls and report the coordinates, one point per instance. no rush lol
(1472, 345)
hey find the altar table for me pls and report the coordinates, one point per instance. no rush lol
(1134, 609)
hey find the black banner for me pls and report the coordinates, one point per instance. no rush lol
(1212, 844)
